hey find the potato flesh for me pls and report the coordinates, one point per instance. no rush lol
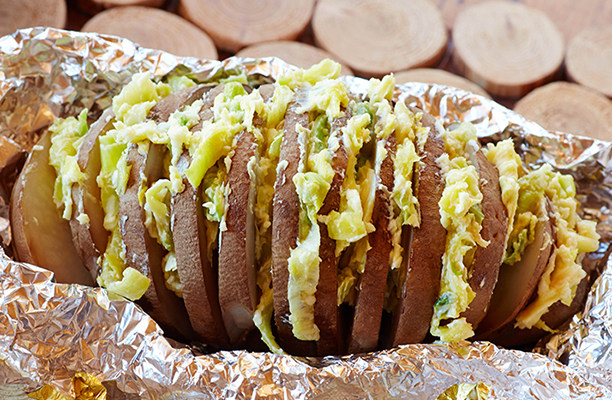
(41, 236)
(89, 236)
(517, 282)
(91, 201)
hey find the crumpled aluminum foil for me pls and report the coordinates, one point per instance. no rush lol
(50, 332)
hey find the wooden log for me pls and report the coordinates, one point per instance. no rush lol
(589, 59)
(440, 77)
(570, 16)
(296, 53)
(96, 6)
(375, 37)
(156, 29)
(571, 108)
(235, 24)
(506, 48)
(19, 14)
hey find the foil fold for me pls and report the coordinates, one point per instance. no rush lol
(50, 333)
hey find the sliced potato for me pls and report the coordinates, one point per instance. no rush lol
(90, 237)
(517, 283)
(487, 260)
(285, 231)
(421, 286)
(558, 314)
(237, 274)
(326, 306)
(198, 274)
(238, 290)
(41, 236)
(143, 252)
(365, 329)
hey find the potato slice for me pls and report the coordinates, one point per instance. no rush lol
(285, 231)
(326, 310)
(143, 252)
(517, 283)
(237, 274)
(41, 236)
(370, 299)
(421, 287)
(485, 267)
(198, 274)
(558, 314)
(90, 238)
(238, 290)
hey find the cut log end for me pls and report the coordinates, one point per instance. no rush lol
(239, 23)
(507, 48)
(296, 53)
(156, 29)
(589, 59)
(439, 77)
(570, 108)
(377, 37)
(95, 6)
(20, 14)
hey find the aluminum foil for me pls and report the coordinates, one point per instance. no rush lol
(55, 334)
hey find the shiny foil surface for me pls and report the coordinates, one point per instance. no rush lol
(51, 332)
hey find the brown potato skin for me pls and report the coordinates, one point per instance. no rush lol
(90, 240)
(497, 319)
(40, 235)
(326, 306)
(285, 232)
(199, 277)
(236, 259)
(238, 288)
(421, 286)
(162, 111)
(556, 316)
(370, 299)
(487, 260)
(197, 274)
(143, 252)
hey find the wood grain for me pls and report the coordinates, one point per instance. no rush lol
(570, 16)
(234, 24)
(507, 48)
(296, 53)
(439, 77)
(19, 14)
(378, 37)
(155, 29)
(95, 6)
(589, 59)
(571, 108)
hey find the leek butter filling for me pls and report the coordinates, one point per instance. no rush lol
(410, 137)
(265, 172)
(131, 108)
(66, 138)
(509, 166)
(461, 216)
(323, 101)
